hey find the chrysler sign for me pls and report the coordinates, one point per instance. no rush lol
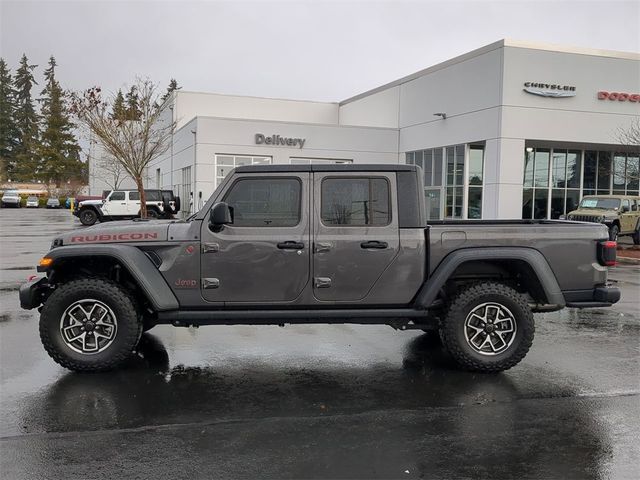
(278, 140)
(553, 90)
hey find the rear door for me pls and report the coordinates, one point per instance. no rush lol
(356, 233)
(264, 256)
(627, 217)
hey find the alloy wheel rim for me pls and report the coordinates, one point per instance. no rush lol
(490, 328)
(88, 326)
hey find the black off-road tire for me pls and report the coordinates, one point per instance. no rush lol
(153, 213)
(129, 324)
(614, 230)
(88, 217)
(453, 327)
(636, 237)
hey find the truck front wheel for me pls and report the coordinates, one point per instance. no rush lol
(488, 327)
(88, 217)
(89, 325)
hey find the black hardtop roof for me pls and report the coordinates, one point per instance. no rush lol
(331, 167)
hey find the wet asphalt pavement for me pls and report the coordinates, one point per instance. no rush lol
(316, 401)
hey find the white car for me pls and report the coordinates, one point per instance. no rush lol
(11, 199)
(32, 202)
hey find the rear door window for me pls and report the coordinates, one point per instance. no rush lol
(355, 202)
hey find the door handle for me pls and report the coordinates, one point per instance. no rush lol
(374, 244)
(291, 245)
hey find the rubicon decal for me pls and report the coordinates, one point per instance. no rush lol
(116, 237)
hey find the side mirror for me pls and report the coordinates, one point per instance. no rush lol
(220, 215)
(624, 209)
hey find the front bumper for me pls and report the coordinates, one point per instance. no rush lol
(32, 293)
(602, 296)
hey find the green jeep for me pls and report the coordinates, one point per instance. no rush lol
(621, 213)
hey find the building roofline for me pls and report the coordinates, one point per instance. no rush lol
(291, 122)
(255, 97)
(488, 48)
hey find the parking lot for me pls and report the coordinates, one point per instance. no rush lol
(316, 401)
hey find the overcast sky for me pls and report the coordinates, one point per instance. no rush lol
(325, 51)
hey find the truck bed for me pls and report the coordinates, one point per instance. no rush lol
(563, 243)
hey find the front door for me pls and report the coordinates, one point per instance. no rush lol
(263, 257)
(356, 234)
(116, 204)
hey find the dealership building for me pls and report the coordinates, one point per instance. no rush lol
(510, 130)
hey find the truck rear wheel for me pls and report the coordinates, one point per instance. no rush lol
(88, 217)
(488, 327)
(89, 325)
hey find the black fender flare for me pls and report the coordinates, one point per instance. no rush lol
(430, 289)
(134, 260)
(95, 208)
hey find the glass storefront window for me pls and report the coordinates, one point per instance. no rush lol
(448, 200)
(633, 175)
(601, 173)
(559, 170)
(541, 168)
(527, 203)
(432, 199)
(476, 173)
(476, 166)
(540, 199)
(225, 163)
(604, 173)
(437, 167)
(590, 169)
(619, 174)
(573, 169)
(528, 169)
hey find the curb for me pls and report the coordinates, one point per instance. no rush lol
(628, 260)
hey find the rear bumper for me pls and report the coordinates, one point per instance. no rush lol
(31, 293)
(602, 296)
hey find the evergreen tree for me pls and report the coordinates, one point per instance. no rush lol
(119, 109)
(8, 130)
(173, 85)
(59, 150)
(26, 119)
(132, 105)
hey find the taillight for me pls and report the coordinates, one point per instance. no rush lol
(607, 253)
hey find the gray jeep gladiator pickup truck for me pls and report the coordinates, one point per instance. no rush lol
(317, 244)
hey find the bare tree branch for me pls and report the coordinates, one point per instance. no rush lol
(134, 138)
(629, 139)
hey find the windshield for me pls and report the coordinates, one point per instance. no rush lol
(601, 203)
(32, 199)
